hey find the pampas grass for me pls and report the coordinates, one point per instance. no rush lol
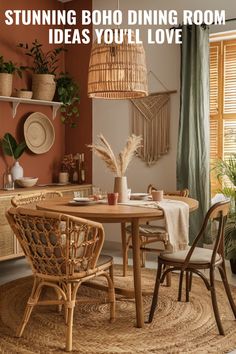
(120, 164)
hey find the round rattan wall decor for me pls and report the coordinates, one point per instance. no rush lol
(39, 133)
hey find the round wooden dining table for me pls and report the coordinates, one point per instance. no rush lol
(105, 213)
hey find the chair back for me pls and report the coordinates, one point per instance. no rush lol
(52, 251)
(219, 213)
(181, 193)
(32, 199)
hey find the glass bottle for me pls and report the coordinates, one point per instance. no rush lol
(82, 168)
(8, 182)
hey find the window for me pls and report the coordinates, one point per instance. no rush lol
(222, 102)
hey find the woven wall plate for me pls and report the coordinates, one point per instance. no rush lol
(39, 133)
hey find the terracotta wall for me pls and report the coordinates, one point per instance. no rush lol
(45, 166)
(77, 60)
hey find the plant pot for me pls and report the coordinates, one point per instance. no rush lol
(17, 171)
(233, 265)
(6, 84)
(43, 87)
(120, 187)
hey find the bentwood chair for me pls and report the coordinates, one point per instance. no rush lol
(58, 262)
(148, 234)
(195, 260)
(31, 199)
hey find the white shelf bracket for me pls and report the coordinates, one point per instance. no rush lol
(54, 110)
(14, 108)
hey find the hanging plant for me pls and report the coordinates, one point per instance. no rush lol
(68, 94)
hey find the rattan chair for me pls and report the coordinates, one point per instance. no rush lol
(148, 234)
(31, 199)
(196, 259)
(58, 262)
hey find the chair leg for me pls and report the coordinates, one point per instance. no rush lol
(111, 295)
(188, 274)
(32, 301)
(168, 278)
(125, 248)
(214, 303)
(155, 293)
(180, 285)
(227, 289)
(69, 329)
(70, 305)
(190, 281)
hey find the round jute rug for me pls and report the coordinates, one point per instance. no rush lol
(176, 328)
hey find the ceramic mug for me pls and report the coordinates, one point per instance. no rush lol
(157, 196)
(112, 198)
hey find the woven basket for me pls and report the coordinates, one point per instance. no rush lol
(43, 87)
(6, 84)
(117, 71)
(24, 94)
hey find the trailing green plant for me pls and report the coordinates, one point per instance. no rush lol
(68, 94)
(10, 146)
(43, 62)
(227, 168)
(9, 67)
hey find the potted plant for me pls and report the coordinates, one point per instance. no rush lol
(43, 68)
(10, 147)
(7, 69)
(227, 169)
(68, 94)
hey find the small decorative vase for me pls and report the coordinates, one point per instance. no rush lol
(17, 171)
(120, 187)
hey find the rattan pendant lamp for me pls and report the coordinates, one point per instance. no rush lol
(117, 71)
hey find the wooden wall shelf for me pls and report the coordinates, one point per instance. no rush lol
(15, 101)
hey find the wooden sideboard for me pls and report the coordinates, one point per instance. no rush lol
(9, 247)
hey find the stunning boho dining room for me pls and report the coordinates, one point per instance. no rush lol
(118, 164)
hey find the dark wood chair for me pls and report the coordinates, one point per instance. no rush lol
(196, 259)
(148, 234)
(61, 260)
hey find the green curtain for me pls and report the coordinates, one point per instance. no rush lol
(193, 161)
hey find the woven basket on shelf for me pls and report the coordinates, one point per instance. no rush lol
(43, 87)
(6, 84)
(117, 71)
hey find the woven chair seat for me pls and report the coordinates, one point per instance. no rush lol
(103, 259)
(199, 256)
(150, 230)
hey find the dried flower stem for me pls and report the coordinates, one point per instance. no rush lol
(117, 165)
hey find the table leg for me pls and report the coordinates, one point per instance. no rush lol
(137, 273)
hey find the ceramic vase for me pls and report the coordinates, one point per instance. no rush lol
(120, 187)
(17, 171)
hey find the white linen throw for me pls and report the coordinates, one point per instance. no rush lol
(176, 215)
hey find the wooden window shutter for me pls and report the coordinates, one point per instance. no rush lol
(214, 78)
(229, 77)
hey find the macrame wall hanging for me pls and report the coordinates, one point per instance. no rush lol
(151, 119)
